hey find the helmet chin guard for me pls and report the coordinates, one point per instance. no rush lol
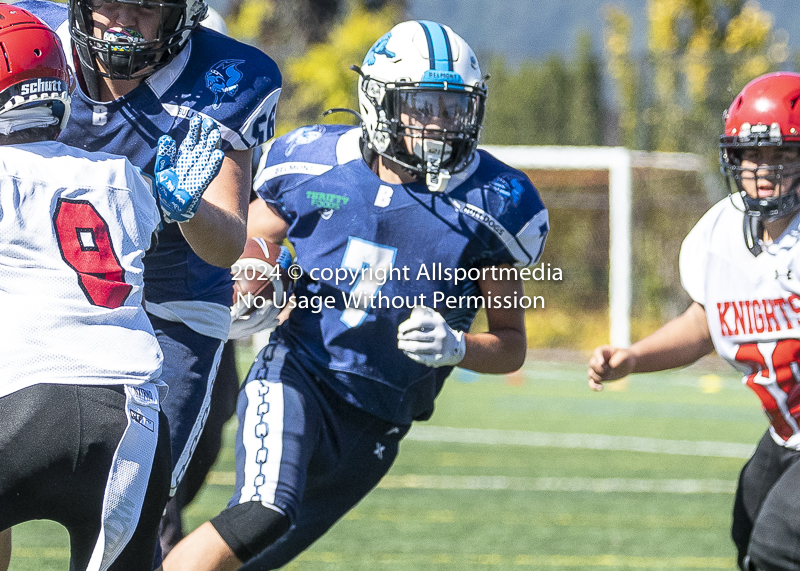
(422, 97)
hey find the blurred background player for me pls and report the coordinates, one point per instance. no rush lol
(145, 68)
(328, 400)
(80, 422)
(740, 266)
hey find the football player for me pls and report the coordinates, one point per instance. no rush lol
(145, 67)
(329, 399)
(83, 439)
(739, 266)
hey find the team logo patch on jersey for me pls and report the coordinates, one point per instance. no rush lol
(379, 49)
(326, 201)
(303, 136)
(223, 79)
(503, 192)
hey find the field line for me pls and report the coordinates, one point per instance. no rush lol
(512, 483)
(536, 561)
(426, 433)
(593, 485)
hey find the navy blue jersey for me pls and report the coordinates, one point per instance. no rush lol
(393, 246)
(214, 76)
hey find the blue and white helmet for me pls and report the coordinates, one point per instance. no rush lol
(421, 97)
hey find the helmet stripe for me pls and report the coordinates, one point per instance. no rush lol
(439, 52)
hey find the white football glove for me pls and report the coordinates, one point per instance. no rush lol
(427, 339)
(266, 317)
(183, 174)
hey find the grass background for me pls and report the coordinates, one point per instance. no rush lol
(560, 504)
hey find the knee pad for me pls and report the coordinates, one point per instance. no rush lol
(249, 528)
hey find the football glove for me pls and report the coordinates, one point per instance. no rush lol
(262, 319)
(244, 325)
(426, 338)
(183, 174)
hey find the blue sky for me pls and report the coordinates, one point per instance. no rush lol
(521, 29)
(537, 28)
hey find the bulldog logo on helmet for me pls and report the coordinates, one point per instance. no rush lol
(379, 49)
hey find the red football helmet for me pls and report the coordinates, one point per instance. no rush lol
(765, 114)
(35, 71)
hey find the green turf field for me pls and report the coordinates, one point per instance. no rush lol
(533, 471)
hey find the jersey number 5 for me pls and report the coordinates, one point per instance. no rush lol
(85, 245)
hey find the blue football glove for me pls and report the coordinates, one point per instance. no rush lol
(183, 174)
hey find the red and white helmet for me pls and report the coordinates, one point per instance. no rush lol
(35, 74)
(426, 72)
(765, 114)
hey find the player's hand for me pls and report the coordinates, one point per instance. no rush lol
(609, 363)
(183, 174)
(262, 319)
(426, 338)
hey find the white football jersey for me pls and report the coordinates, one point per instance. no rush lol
(752, 305)
(73, 229)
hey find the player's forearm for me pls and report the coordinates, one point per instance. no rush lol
(216, 235)
(680, 342)
(498, 352)
(218, 231)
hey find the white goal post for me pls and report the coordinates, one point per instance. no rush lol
(619, 162)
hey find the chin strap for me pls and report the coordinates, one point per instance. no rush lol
(752, 232)
(437, 182)
(86, 75)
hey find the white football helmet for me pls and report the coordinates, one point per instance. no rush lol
(421, 96)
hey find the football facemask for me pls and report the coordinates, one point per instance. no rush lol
(123, 53)
(422, 97)
(763, 116)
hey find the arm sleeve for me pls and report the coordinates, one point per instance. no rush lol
(693, 257)
(144, 203)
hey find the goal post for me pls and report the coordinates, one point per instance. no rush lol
(619, 162)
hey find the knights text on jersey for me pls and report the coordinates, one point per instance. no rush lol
(71, 269)
(214, 76)
(372, 250)
(752, 305)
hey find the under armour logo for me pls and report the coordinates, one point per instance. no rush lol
(787, 275)
(379, 448)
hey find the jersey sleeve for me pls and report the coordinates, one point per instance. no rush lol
(144, 204)
(238, 86)
(694, 255)
(51, 13)
(297, 157)
(509, 207)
